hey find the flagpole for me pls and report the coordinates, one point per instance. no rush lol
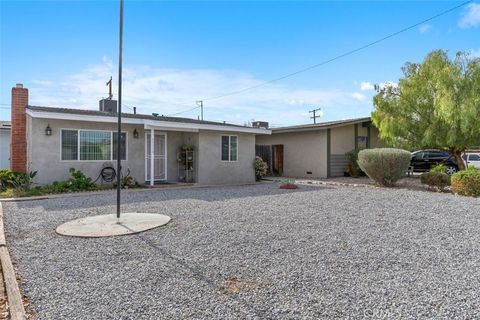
(119, 132)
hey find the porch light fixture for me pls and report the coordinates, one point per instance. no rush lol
(48, 130)
(135, 133)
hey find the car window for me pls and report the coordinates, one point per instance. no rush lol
(418, 155)
(464, 156)
(434, 154)
(474, 157)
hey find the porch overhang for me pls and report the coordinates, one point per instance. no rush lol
(162, 127)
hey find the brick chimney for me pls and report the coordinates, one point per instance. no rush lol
(18, 146)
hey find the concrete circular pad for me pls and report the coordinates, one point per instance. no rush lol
(107, 225)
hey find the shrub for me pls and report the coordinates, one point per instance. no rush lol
(16, 180)
(439, 168)
(353, 167)
(260, 168)
(467, 182)
(384, 165)
(435, 180)
(6, 176)
(79, 181)
(22, 180)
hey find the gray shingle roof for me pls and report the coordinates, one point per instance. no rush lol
(321, 125)
(128, 115)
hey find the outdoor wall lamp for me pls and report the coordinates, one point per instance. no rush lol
(48, 130)
(135, 133)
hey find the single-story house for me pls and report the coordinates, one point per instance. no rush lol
(315, 150)
(155, 148)
(4, 144)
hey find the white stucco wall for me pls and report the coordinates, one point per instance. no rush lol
(44, 152)
(302, 152)
(211, 168)
(343, 139)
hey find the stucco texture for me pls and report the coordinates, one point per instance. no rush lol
(44, 152)
(303, 152)
(212, 170)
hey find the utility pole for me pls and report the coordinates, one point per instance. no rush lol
(315, 115)
(119, 126)
(200, 104)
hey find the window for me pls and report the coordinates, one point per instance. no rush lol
(95, 145)
(229, 148)
(69, 144)
(474, 157)
(90, 145)
(362, 142)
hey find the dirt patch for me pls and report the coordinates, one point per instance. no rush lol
(234, 285)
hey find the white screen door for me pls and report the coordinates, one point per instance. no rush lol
(159, 157)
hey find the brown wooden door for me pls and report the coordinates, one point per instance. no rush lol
(278, 159)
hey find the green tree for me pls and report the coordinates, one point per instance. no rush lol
(435, 105)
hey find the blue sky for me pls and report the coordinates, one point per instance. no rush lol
(178, 52)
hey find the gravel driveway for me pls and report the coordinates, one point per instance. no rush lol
(256, 252)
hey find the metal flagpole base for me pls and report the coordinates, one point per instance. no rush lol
(109, 225)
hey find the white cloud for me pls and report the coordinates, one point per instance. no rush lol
(388, 84)
(474, 53)
(424, 28)
(359, 97)
(366, 86)
(470, 17)
(167, 91)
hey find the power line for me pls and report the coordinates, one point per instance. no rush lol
(180, 112)
(338, 56)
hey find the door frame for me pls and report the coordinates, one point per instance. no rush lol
(153, 134)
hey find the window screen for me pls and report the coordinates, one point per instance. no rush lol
(229, 148)
(69, 145)
(95, 145)
(225, 148)
(233, 148)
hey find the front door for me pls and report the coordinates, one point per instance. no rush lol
(277, 166)
(159, 156)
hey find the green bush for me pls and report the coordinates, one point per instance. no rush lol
(439, 168)
(260, 168)
(467, 182)
(6, 176)
(79, 181)
(353, 167)
(384, 165)
(22, 180)
(435, 180)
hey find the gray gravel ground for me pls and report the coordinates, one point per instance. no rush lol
(256, 252)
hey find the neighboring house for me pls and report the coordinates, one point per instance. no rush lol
(4, 144)
(315, 150)
(52, 140)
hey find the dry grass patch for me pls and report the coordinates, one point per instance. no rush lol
(234, 285)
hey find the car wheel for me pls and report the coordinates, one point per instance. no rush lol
(451, 170)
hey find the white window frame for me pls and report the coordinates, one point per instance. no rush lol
(78, 145)
(229, 148)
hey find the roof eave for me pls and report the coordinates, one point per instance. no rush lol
(150, 123)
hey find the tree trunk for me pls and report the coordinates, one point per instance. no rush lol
(458, 157)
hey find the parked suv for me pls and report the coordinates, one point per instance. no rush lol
(424, 160)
